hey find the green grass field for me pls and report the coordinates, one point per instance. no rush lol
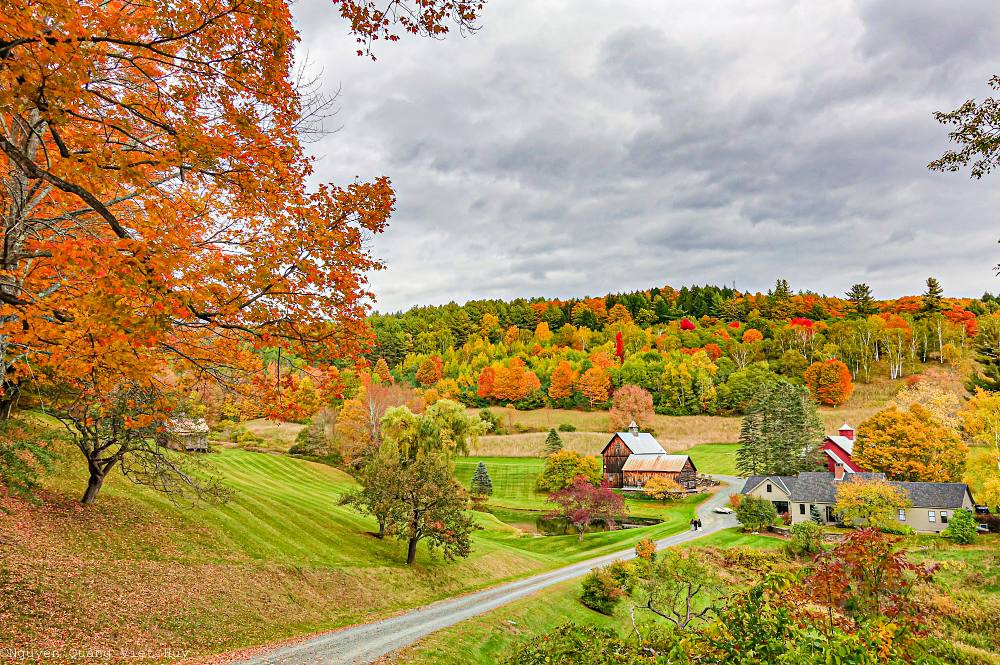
(715, 458)
(735, 537)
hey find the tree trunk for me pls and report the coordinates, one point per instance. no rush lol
(93, 486)
(411, 550)
(97, 475)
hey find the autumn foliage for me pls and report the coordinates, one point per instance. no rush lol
(910, 445)
(631, 403)
(829, 382)
(562, 381)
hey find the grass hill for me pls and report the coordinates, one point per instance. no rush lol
(280, 559)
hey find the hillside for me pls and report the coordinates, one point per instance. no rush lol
(280, 559)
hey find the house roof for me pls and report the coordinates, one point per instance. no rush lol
(935, 495)
(845, 427)
(672, 463)
(641, 444)
(845, 444)
(784, 482)
(837, 458)
(820, 487)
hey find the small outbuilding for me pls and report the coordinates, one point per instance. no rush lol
(187, 434)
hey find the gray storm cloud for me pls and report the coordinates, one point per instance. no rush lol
(574, 148)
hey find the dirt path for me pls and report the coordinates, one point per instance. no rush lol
(368, 642)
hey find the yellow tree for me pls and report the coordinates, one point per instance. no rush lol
(870, 503)
(382, 371)
(981, 419)
(595, 385)
(910, 445)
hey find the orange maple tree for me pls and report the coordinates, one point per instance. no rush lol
(595, 384)
(157, 207)
(514, 382)
(562, 380)
(829, 382)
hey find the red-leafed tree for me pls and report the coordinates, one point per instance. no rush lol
(686, 324)
(486, 380)
(829, 382)
(581, 504)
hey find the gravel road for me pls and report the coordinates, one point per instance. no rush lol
(368, 642)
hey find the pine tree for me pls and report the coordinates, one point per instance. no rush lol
(931, 303)
(749, 457)
(814, 515)
(481, 485)
(781, 433)
(552, 442)
(862, 302)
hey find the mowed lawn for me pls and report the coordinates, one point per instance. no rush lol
(281, 558)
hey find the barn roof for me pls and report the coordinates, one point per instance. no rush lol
(642, 443)
(845, 444)
(671, 463)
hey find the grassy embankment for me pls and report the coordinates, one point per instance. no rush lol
(280, 559)
(960, 605)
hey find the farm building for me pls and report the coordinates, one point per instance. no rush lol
(188, 434)
(631, 458)
(932, 503)
(639, 469)
(838, 449)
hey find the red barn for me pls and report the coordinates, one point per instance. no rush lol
(624, 445)
(838, 449)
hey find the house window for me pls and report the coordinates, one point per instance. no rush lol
(902, 515)
(930, 516)
(769, 488)
(944, 517)
(802, 509)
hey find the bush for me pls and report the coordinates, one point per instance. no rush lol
(898, 529)
(566, 427)
(806, 539)
(493, 420)
(961, 527)
(756, 514)
(624, 574)
(601, 591)
(645, 549)
(562, 467)
(311, 441)
(244, 438)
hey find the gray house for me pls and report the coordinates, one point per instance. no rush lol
(933, 503)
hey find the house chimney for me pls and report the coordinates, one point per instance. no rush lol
(838, 471)
(846, 431)
(634, 429)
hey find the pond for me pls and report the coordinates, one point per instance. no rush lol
(534, 521)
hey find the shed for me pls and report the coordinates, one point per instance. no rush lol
(186, 434)
(639, 469)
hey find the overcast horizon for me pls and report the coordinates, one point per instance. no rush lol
(570, 149)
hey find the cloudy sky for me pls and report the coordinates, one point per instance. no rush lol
(579, 147)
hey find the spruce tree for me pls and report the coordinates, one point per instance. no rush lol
(781, 433)
(862, 302)
(553, 443)
(814, 515)
(481, 485)
(931, 303)
(750, 456)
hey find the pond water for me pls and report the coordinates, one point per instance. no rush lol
(534, 521)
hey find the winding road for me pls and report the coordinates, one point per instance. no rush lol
(368, 642)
